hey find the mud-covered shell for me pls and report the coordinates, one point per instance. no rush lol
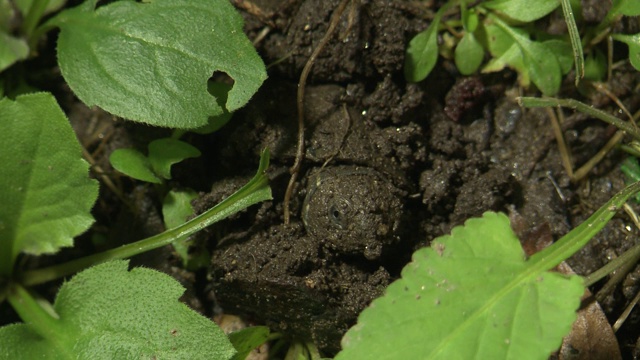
(352, 209)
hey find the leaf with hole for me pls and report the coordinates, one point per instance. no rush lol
(150, 61)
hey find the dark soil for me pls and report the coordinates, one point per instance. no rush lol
(388, 167)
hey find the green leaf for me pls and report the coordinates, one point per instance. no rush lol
(523, 10)
(255, 191)
(471, 295)
(574, 37)
(470, 18)
(247, 339)
(133, 163)
(150, 61)
(165, 152)
(46, 192)
(422, 53)
(540, 62)
(633, 41)
(7, 15)
(468, 54)
(53, 5)
(505, 52)
(624, 7)
(176, 209)
(12, 49)
(563, 53)
(595, 66)
(107, 312)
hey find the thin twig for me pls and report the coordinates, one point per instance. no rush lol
(295, 169)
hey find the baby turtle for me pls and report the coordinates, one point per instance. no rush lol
(353, 210)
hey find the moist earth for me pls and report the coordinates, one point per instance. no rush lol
(388, 167)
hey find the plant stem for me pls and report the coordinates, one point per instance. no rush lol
(574, 36)
(38, 319)
(632, 255)
(577, 238)
(254, 191)
(582, 107)
(34, 15)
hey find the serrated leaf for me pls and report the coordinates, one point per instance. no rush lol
(46, 192)
(468, 54)
(247, 339)
(163, 153)
(633, 41)
(150, 61)
(523, 10)
(12, 49)
(471, 295)
(108, 312)
(133, 163)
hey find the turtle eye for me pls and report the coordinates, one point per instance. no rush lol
(338, 213)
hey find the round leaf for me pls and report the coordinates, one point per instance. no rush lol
(165, 152)
(150, 61)
(134, 164)
(468, 54)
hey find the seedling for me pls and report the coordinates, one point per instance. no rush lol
(502, 29)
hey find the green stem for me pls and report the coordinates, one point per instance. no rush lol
(577, 238)
(574, 36)
(37, 9)
(630, 256)
(582, 107)
(255, 191)
(38, 319)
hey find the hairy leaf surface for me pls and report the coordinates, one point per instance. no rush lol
(108, 312)
(150, 61)
(46, 192)
(471, 295)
